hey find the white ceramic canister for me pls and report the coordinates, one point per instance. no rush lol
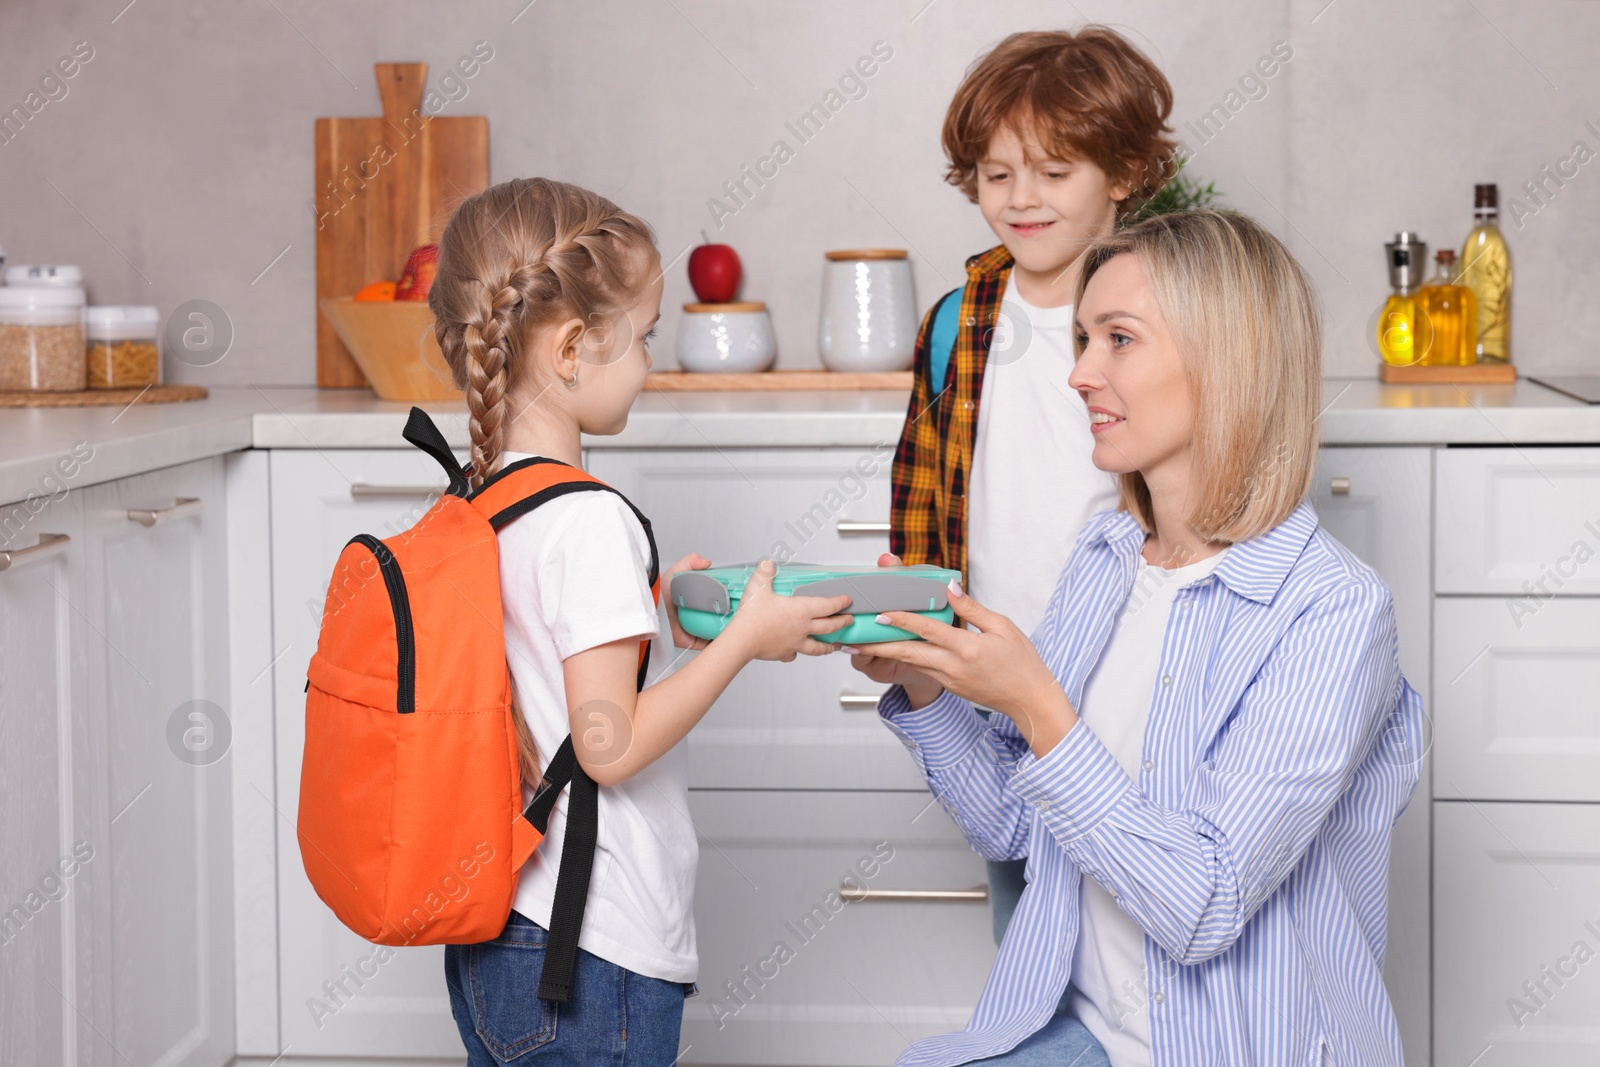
(726, 338)
(869, 311)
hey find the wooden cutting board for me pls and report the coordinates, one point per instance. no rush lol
(383, 186)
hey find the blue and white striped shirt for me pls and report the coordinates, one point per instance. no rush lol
(1253, 851)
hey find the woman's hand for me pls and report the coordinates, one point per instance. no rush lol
(694, 561)
(920, 688)
(770, 626)
(996, 666)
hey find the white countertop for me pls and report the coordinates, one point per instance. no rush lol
(1359, 411)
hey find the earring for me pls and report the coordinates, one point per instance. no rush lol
(572, 382)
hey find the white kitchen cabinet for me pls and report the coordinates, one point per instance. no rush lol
(42, 677)
(158, 738)
(811, 723)
(1518, 711)
(1517, 934)
(116, 757)
(335, 997)
(1520, 522)
(791, 972)
(1375, 501)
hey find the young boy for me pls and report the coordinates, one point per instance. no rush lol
(1054, 136)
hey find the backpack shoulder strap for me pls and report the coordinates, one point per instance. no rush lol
(577, 862)
(942, 337)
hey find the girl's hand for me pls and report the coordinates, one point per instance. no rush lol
(996, 666)
(770, 626)
(694, 561)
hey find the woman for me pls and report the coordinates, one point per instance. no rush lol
(1205, 742)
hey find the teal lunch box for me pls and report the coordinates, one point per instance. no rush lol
(707, 599)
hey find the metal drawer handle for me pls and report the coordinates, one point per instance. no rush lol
(858, 701)
(1341, 487)
(846, 526)
(978, 894)
(365, 490)
(181, 506)
(49, 545)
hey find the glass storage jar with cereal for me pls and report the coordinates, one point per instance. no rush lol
(41, 339)
(122, 348)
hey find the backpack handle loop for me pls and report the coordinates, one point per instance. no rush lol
(421, 432)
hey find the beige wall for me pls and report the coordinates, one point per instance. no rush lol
(178, 165)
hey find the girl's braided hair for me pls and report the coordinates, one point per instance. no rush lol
(517, 256)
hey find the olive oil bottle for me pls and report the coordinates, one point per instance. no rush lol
(1447, 318)
(1486, 270)
(1397, 323)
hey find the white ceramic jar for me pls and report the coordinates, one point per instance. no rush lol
(869, 311)
(726, 338)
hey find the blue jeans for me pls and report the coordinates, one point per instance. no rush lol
(614, 1017)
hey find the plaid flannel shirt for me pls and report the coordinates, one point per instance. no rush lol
(928, 509)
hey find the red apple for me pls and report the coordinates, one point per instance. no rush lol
(714, 272)
(417, 278)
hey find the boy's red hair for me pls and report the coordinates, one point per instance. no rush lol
(1086, 95)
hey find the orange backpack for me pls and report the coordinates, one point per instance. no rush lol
(411, 822)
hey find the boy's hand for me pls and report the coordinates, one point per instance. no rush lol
(694, 561)
(771, 626)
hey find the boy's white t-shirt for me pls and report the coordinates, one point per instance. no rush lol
(1033, 484)
(573, 575)
(1109, 993)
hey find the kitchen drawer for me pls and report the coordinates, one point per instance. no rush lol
(810, 723)
(1516, 699)
(1513, 516)
(1516, 934)
(791, 972)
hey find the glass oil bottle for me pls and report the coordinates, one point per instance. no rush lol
(1447, 318)
(1397, 323)
(1486, 270)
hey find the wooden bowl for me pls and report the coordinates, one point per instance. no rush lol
(392, 342)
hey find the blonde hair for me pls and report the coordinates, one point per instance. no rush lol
(517, 256)
(1244, 318)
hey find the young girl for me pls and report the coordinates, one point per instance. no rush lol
(546, 298)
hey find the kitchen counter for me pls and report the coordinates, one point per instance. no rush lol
(33, 441)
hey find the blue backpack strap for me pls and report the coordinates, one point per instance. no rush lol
(942, 337)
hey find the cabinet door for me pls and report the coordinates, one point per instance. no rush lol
(42, 673)
(1518, 714)
(1521, 522)
(336, 996)
(811, 723)
(156, 747)
(1517, 964)
(1375, 502)
(791, 972)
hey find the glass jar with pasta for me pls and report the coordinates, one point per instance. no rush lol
(122, 349)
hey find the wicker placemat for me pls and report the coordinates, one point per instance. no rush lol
(152, 394)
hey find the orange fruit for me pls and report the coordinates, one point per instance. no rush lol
(376, 291)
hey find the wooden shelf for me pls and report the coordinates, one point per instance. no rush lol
(686, 381)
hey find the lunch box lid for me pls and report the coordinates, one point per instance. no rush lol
(918, 587)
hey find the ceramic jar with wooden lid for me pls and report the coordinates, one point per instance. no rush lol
(869, 311)
(730, 338)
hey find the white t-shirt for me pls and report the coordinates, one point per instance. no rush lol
(1109, 992)
(573, 575)
(1033, 484)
